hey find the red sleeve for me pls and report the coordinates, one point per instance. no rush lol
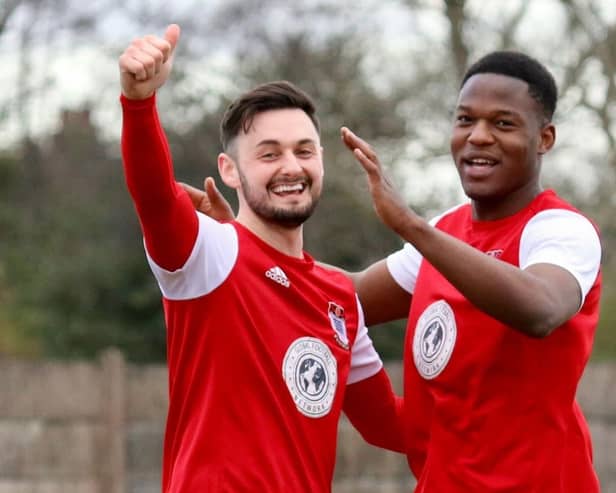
(167, 216)
(376, 412)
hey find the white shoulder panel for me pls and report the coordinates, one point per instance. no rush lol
(209, 264)
(365, 361)
(564, 238)
(404, 264)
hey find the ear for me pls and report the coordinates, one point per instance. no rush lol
(228, 171)
(547, 138)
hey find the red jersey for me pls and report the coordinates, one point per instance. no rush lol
(489, 409)
(257, 370)
(260, 345)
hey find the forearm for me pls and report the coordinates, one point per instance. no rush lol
(382, 298)
(165, 211)
(533, 304)
(376, 412)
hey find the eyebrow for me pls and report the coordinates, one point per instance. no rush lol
(267, 142)
(497, 112)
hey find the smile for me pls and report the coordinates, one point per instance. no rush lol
(479, 168)
(285, 188)
(480, 162)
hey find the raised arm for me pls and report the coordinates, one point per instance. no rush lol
(165, 211)
(382, 299)
(534, 300)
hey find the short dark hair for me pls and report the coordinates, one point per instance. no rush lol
(541, 84)
(269, 96)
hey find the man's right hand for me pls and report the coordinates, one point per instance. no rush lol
(146, 64)
(210, 201)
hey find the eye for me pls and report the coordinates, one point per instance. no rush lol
(305, 153)
(463, 119)
(504, 123)
(268, 156)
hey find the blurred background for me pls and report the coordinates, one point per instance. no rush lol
(73, 277)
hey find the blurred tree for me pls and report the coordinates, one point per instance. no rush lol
(582, 167)
(75, 260)
(7, 8)
(72, 269)
(344, 230)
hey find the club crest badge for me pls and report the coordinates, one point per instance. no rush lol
(336, 318)
(434, 339)
(311, 374)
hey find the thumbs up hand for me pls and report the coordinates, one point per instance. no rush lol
(146, 63)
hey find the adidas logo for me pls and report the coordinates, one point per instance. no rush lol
(276, 274)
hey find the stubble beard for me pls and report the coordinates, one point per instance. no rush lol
(290, 218)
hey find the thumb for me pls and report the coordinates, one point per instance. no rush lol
(197, 197)
(172, 35)
(221, 209)
(209, 185)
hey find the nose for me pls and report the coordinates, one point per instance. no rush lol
(480, 133)
(290, 164)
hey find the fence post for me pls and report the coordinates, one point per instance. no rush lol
(113, 460)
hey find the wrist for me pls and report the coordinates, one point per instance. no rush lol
(132, 103)
(409, 225)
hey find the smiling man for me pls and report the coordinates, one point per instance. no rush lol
(505, 299)
(504, 295)
(265, 348)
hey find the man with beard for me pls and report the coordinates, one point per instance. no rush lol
(504, 298)
(250, 317)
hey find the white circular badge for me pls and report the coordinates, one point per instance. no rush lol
(434, 339)
(311, 374)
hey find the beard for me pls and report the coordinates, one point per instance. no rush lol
(289, 217)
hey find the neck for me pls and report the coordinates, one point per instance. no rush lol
(494, 208)
(289, 241)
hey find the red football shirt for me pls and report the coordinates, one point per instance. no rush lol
(489, 409)
(260, 345)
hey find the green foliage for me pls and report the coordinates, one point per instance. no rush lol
(389, 339)
(74, 264)
(73, 276)
(605, 338)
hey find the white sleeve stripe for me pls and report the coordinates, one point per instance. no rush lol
(209, 264)
(404, 264)
(564, 238)
(365, 361)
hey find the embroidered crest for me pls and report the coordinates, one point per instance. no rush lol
(336, 318)
(434, 339)
(311, 374)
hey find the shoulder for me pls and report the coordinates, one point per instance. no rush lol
(453, 215)
(554, 220)
(552, 216)
(212, 258)
(563, 237)
(333, 275)
(551, 201)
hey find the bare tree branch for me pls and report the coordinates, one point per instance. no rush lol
(454, 11)
(6, 10)
(513, 23)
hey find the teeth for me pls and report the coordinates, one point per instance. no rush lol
(481, 161)
(298, 187)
